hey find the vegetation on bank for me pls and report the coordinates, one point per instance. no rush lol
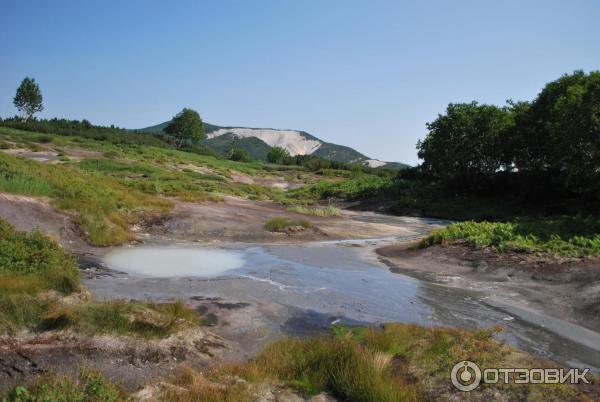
(105, 208)
(281, 224)
(90, 386)
(36, 277)
(328, 210)
(572, 236)
(397, 362)
(30, 263)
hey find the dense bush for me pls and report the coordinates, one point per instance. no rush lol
(278, 155)
(85, 129)
(549, 147)
(466, 143)
(567, 236)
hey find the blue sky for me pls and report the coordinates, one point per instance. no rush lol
(368, 74)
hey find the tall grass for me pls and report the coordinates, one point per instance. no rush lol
(398, 362)
(105, 208)
(280, 223)
(90, 386)
(19, 183)
(144, 320)
(361, 186)
(329, 210)
(573, 236)
(31, 263)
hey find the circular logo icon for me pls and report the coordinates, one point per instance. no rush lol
(465, 376)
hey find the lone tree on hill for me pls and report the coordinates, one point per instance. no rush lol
(28, 99)
(186, 127)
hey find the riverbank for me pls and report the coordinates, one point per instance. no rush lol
(562, 287)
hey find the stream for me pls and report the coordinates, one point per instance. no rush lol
(342, 281)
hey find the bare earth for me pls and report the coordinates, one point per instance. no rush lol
(565, 288)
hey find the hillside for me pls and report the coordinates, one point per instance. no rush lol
(258, 141)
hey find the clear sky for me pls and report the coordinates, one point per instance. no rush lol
(368, 74)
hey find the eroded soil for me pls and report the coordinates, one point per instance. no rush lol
(565, 288)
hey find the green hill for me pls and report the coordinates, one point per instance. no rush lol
(258, 141)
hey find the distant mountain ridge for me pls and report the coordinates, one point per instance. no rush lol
(258, 141)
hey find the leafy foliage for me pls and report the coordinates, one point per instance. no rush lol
(549, 147)
(186, 128)
(64, 127)
(558, 134)
(568, 236)
(31, 263)
(466, 143)
(28, 99)
(278, 155)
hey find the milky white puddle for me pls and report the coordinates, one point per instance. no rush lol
(171, 262)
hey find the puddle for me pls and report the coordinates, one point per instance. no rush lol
(170, 262)
(326, 282)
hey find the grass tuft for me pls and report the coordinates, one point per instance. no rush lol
(280, 224)
(329, 210)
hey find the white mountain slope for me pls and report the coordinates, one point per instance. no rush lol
(257, 142)
(293, 141)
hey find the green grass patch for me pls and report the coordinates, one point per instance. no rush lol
(329, 210)
(361, 186)
(90, 386)
(105, 207)
(146, 320)
(12, 181)
(280, 224)
(397, 362)
(31, 263)
(35, 275)
(572, 236)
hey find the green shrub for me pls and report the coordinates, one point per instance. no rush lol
(31, 263)
(279, 224)
(564, 235)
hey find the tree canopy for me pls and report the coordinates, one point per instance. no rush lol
(186, 128)
(552, 142)
(28, 99)
(466, 141)
(278, 155)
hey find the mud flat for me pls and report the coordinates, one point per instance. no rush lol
(304, 288)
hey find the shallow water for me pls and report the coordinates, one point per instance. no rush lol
(334, 279)
(173, 262)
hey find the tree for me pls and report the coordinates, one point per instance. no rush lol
(28, 99)
(186, 127)
(235, 153)
(558, 135)
(466, 143)
(278, 155)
